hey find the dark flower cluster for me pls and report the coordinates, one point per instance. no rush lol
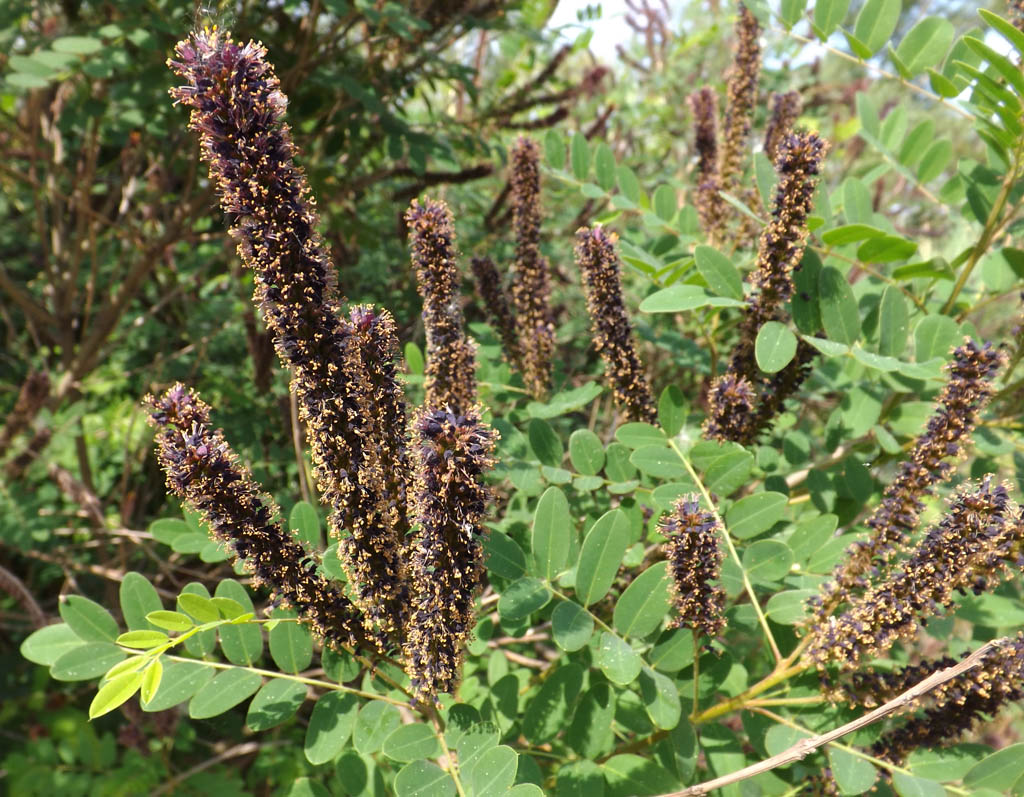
(613, 334)
(414, 595)
(237, 108)
(781, 248)
(488, 285)
(931, 462)
(203, 471)
(709, 202)
(870, 688)
(446, 558)
(741, 97)
(451, 356)
(367, 492)
(785, 109)
(695, 560)
(970, 549)
(958, 705)
(531, 278)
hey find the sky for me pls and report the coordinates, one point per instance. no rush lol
(609, 30)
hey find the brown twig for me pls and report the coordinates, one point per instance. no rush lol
(805, 747)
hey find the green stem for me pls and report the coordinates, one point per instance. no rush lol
(296, 678)
(732, 551)
(992, 225)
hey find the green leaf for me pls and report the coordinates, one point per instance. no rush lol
(767, 560)
(554, 151)
(330, 725)
(600, 556)
(291, 644)
(477, 740)
(853, 775)
(829, 15)
(413, 359)
(926, 44)
(138, 598)
(242, 644)
(1004, 28)
(665, 202)
(77, 45)
(522, 598)
(839, 313)
(304, 523)
(90, 621)
(788, 607)
(728, 472)
(886, 249)
(934, 336)
(604, 166)
(775, 347)
(552, 529)
(571, 626)
(792, 11)
(565, 401)
(722, 277)
(1000, 63)
(24, 80)
(586, 452)
(580, 779)
(876, 22)
(590, 732)
(224, 692)
(411, 742)
(661, 699)
(276, 702)
(142, 640)
(850, 233)
(672, 410)
(934, 160)
(617, 660)
(630, 774)
(755, 513)
(644, 604)
(202, 609)
(115, 692)
(545, 443)
(504, 556)
(170, 621)
(910, 786)
(893, 323)
(48, 644)
(629, 185)
(494, 772)
(680, 298)
(579, 155)
(857, 203)
(152, 676)
(86, 661)
(306, 787)
(180, 681)
(658, 461)
(636, 434)
(998, 771)
(424, 779)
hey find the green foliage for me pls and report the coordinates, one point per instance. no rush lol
(576, 680)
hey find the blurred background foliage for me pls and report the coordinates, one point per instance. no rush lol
(116, 277)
